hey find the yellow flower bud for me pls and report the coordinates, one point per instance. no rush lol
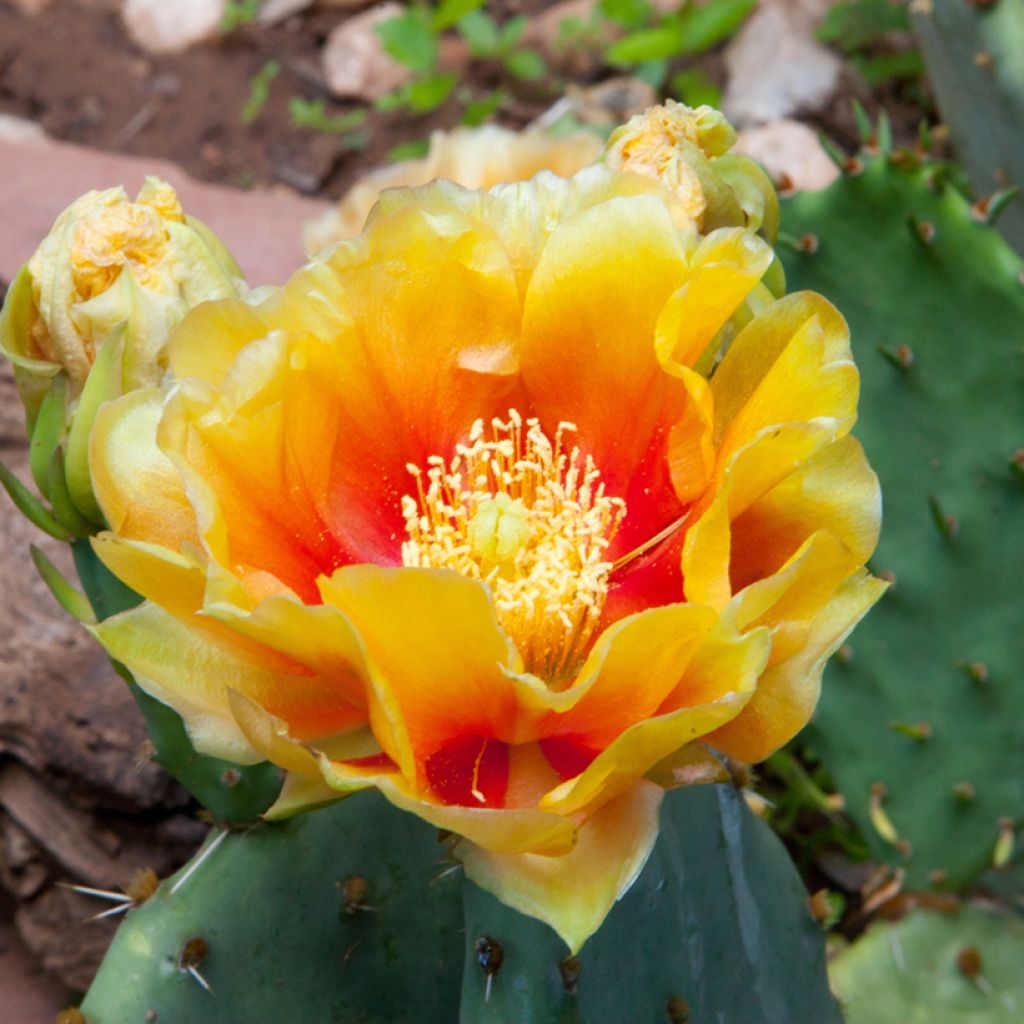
(687, 150)
(92, 310)
(110, 261)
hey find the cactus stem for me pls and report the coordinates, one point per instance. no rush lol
(833, 152)
(919, 731)
(199, 861)
(948, 525)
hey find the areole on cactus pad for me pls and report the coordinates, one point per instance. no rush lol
(463, 513)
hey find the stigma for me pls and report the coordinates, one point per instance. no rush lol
(526, 514)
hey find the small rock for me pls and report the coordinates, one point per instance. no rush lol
(355, 62)
(274, 11)
(18, 130)
(791, 152)
(776, 67)
(161, 27)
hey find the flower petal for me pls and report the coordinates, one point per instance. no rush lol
(435, 657)
(573, 893)
(138, 488)
(502, 830)
(718, 683)
(787, 693)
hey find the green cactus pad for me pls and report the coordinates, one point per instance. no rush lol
(716, 927)
(352, 914)
(922, 726)
(931, 967)
(974, 56)
(282, 931)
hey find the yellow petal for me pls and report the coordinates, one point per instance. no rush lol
(435, 656)
(725, 267)
(788, 691)
(138, 488)
(503, 830)
(718, 683)
(573, 893)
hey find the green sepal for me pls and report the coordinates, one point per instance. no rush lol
(31, 507)
(48, 431)
(73, 601)
(103, 384)
(64, 509)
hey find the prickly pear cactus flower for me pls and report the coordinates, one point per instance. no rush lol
(453, 515)
(472, 157)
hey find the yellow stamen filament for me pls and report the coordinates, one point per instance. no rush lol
(529, 517)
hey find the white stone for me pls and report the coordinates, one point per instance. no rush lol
(775, 65)
(167, 26)
(19, 130)
(789, 150)
(355, 62)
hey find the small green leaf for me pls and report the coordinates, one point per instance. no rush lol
(512, 31)
(627, 13)
(704, 26)
(409, 151)
(451, 11)
(855, 25)
(410, 39)
(429, 93)
(259, 91)
(30, 506)
(73, 601)
(653, 72)
(647, 44)
(481, 34)
(889, 67)
(527, 65)
(479, 111)
(313, 114)
(694, 88)
(394, 100)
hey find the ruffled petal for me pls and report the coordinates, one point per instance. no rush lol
(787, 692)
(719, 681)
(573, 893)
(436, 658)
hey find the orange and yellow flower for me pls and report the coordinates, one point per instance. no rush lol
(463, 513)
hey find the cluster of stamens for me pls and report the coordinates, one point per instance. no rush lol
(529, 517)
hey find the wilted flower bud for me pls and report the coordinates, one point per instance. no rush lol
(88, 317)
(687, 150)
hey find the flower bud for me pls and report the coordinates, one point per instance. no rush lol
(687, 150)
(93, 309)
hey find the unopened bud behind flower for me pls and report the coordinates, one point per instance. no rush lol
(109, 261)
(88, 317)
(687, 150)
